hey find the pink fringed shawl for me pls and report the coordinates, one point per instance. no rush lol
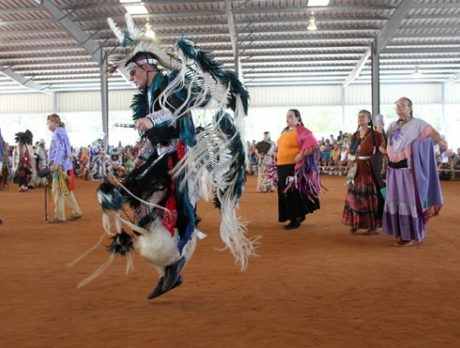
(307, 179)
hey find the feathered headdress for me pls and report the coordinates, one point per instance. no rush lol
(135, 40)
(24, 137)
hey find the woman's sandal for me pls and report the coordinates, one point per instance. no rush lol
(370, 233)
(403, 243)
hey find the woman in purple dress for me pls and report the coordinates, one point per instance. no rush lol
(413, 190)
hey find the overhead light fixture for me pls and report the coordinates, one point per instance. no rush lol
(417, 72)
(133, 8)
(136, 9)
(312, 3)
(149, 31)
(312, 22)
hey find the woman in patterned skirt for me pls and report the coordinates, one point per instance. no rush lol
(363, 205)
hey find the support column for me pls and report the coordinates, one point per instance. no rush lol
(104, 100)
(375, 81)
(443, 106)
(343, 107)
(238, 69)
(55, 103)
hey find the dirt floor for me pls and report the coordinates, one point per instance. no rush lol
(317, 286)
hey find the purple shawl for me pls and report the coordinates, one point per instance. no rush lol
(426, 178)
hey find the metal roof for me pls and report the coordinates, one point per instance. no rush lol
(268, 38)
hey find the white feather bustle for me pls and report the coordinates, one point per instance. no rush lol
(160, 249)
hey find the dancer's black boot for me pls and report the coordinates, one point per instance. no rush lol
(172, 273)
(158, 291)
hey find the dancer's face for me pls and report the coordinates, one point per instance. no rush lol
(403, 108)
(142, 75)
(291, 120)
(363, 119)
(139, 76)
(51, 124)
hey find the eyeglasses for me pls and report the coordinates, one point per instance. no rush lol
(401, 105)
(132, 72)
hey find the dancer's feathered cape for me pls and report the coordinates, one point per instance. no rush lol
(214, 161)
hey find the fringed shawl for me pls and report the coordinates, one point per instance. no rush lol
(306, 173)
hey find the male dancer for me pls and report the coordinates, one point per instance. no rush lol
(169, 172)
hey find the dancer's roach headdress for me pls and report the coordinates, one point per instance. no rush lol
(24, 137)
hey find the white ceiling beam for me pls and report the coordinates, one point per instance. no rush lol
(283, 61)
(24, 52)
(301, 29)
(358, 67)
(58, 71)
(38, 42)
(299, 16)
(422, 45)
(145, 3)
(190, 33)
(316, 9)
(432, 35)
(72, 75)
(422, 50)
(67, 50)
(309, 40)
(306, 50)
(45, 66)
(300, 45)
(29, 32)
(438, 5)
(90, 45)
(453, 79)
(393, 24)
(18, 59)
(438, 16)
(298, 66)
(417, 60)
(184, 15)
(305, 55)
(20, 10)
(426, 67)
(93, 49)
(307, 35)
(389, 29)
(26, 21)
(284, 74)
(433, 65)
(25, 81)
(271, 69)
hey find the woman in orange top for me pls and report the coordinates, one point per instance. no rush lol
(298, 177)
